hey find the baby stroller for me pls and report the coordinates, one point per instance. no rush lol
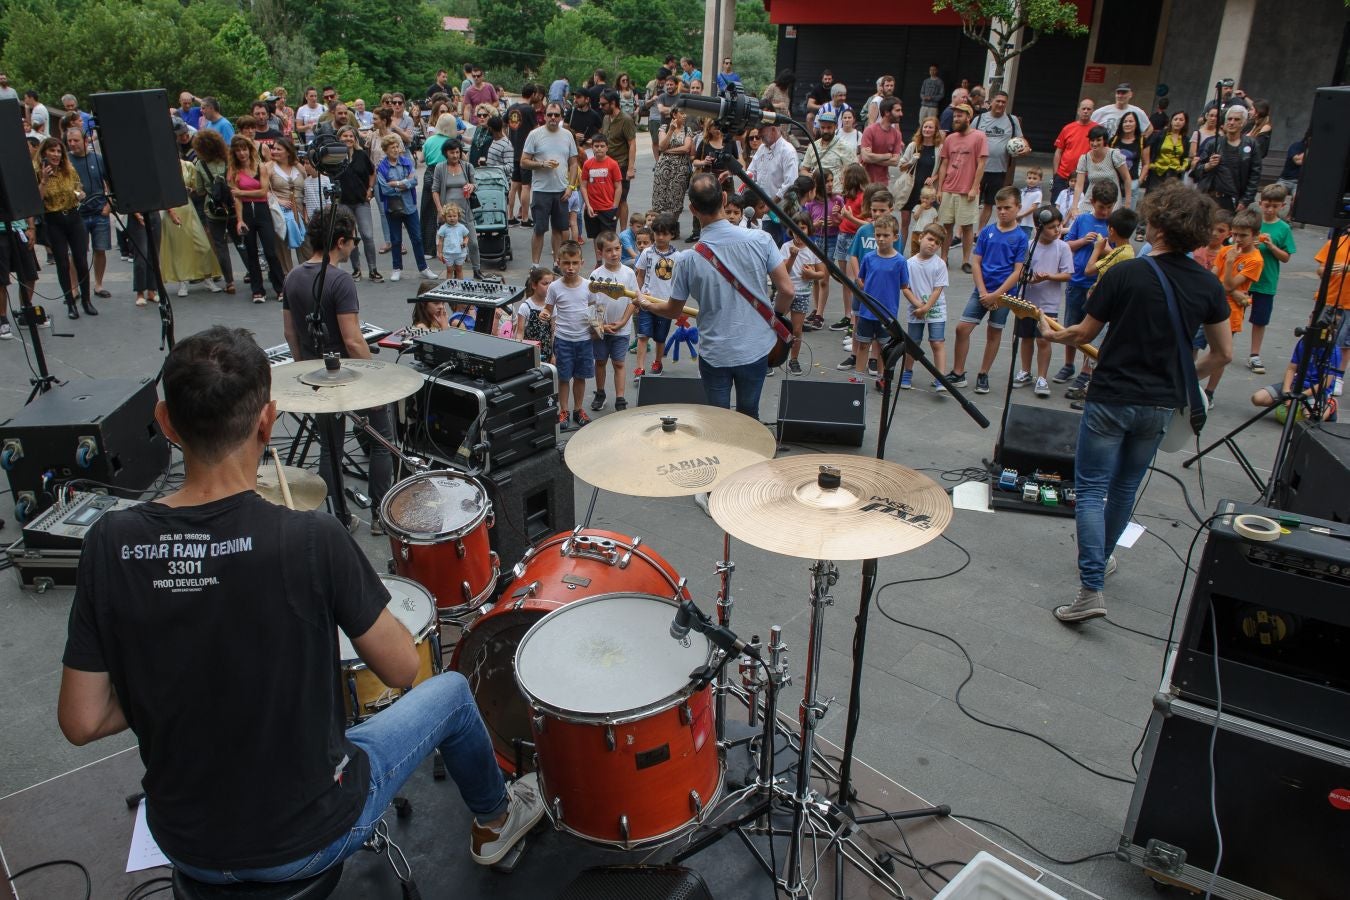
(492, 184)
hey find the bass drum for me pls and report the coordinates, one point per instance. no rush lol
(566, 567)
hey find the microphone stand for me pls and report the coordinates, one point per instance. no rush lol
(897, 345)
(1023, 282)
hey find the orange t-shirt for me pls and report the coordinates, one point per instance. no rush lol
(1248, 266)
(1337, 295)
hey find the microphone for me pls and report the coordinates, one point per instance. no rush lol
(733, 111)
(683, 621)
(689, 617)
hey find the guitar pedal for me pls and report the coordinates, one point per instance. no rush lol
(1030, 492)
(1007, 480)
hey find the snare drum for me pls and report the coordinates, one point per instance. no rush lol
(626, 743)
(363, 693)
(562, 569)
(438, 531)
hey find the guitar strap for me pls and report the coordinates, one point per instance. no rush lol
(1195, 405)
(764, 310)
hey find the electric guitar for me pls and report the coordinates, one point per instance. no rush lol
(619, 292)
(1025, 309)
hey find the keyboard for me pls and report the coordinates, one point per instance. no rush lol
(281, 353)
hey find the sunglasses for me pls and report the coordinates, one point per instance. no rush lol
(753, 137)
(553, 115)
(398, 102)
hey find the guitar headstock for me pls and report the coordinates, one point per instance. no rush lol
(610, 288)
(1022, 309)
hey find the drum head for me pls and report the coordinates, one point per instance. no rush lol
(434, 506)
(608, 655)
(409, 602)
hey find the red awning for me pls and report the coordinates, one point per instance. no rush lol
(875, 12)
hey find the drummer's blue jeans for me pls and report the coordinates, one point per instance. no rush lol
(438, 713)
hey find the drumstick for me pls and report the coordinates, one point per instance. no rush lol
(281, 479)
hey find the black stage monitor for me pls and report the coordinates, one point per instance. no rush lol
(140, 151)
(19, 197)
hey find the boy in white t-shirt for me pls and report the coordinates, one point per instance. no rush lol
(1031, 198)
(569, 306)
(805, 269)
(928, 281)
(1051, 268)
(618, 313)
(655, 274)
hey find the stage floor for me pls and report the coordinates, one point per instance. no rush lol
(83, 815)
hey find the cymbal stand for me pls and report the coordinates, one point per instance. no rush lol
(415, 463)
(722, 686)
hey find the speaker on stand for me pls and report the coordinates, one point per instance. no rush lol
(140, 156)
(1323, 196)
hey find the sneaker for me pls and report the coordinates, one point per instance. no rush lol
(353, 523)
(1254, 363)
(1042, 388)
(1078, 389)
(396, 275)
(880, 385)
(957, 380)
(563, 417)
(1064, 374)
(906, 381)
(377, 277)
(657, 368)
(937, 387)
(1078, 405)
(1111, 565)
(214, 286)
(965, 267)
(182, 288)
(598, 403)
(1340, 386)
(702, 500)
(512, 222)
(620, 403)
(1087, 605)
(794, 367)
(356, 275)
(638, 373)
(771, 373)
(141, 301)
(809, 324)
(257, 298)
(873, 369)
(855, 380)
(981, 383)
(841, 325)
(428, 275)
(1209, 395)
(6, 333)
(849, 362)
(489, 846)
(376, 525)
(847, 345)
(1021, 379)
(580, 418)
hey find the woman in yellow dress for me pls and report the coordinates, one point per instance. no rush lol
(185, 252)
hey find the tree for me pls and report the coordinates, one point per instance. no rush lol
(752, 18)
(335, 69)
(995, 24)
(754, 56)
(294, 59)
(578, 53)
(511, 32)
(236, 38)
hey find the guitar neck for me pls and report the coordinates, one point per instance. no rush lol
(615, 290)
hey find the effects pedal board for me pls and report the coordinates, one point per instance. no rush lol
(63, 525)
(1045, 492)
(468, 354)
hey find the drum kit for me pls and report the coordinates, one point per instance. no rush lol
(593, 666)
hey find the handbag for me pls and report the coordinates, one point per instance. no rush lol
(1188, 420)
(903, 184)
(278, 215)
(295, 229)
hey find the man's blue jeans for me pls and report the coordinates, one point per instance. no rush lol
(439, 712)
(1116, 443)
(748, 380)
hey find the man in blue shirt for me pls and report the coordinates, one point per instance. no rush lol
(187, 112)
(558, 90)
(1083, 233)
(1000, 253)
(690, 72)
(726, 76)
(211, 118)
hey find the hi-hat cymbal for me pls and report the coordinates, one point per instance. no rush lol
(306, 386)
(879, 508)
(308, 490)
(672, 450)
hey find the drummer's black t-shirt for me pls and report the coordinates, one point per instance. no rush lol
(218, 627)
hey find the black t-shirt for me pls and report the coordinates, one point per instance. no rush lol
(520, 121)
(355, 179)
(820, 94)
(217, 625)
(596, 91)
(339, 297)
(1139, 354)
(265, 139)
(584, 122)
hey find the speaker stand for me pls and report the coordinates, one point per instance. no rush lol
(28, 315)
(166, 338)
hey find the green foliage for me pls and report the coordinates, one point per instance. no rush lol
(753, 57)
(294, 60)
(753, 18)
(995, 23)
(641, 69)
(336, 69)
(236, 38)
(581, 52)
(393, 42)
(511, 32)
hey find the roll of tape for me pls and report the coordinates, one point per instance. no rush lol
(1256, 528)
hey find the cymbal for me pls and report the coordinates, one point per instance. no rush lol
(671, 450)
(879, 508)
(306, 386)
(308, 490)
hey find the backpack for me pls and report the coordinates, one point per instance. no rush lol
(219, 203)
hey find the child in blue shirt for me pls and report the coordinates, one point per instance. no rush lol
(452, 239)
(1000, 253)
(1081, 237)
(884, 274)
(628, 239)
(878, 202)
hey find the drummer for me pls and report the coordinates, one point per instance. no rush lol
(206, 622)
(342, 335)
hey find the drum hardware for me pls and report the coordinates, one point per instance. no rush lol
(364, 693)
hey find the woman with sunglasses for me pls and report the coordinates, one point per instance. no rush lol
(628, 98)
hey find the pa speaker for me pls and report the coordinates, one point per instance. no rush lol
(1315, 477)
(1323, 196)
(1038, 439)
(139, 150)
(822, 412)
(531, 499)
(661, 389)
(19, 197)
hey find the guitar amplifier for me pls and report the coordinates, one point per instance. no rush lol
(474, 425)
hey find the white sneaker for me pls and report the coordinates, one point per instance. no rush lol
(1022, 379)
(702, 501)
(1042, 388)
(1340, 385)
(527, 808)
(396, 274)
(214, 285)
(848, 345)
(182, 288)
(428, 275)
(6, 333)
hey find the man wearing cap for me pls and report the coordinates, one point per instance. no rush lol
(835, 154)
(1109, 116)
(182, 134)
(773, 167)
(1072, 143)
(961, 161)
(581, 120)
(959, 96)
